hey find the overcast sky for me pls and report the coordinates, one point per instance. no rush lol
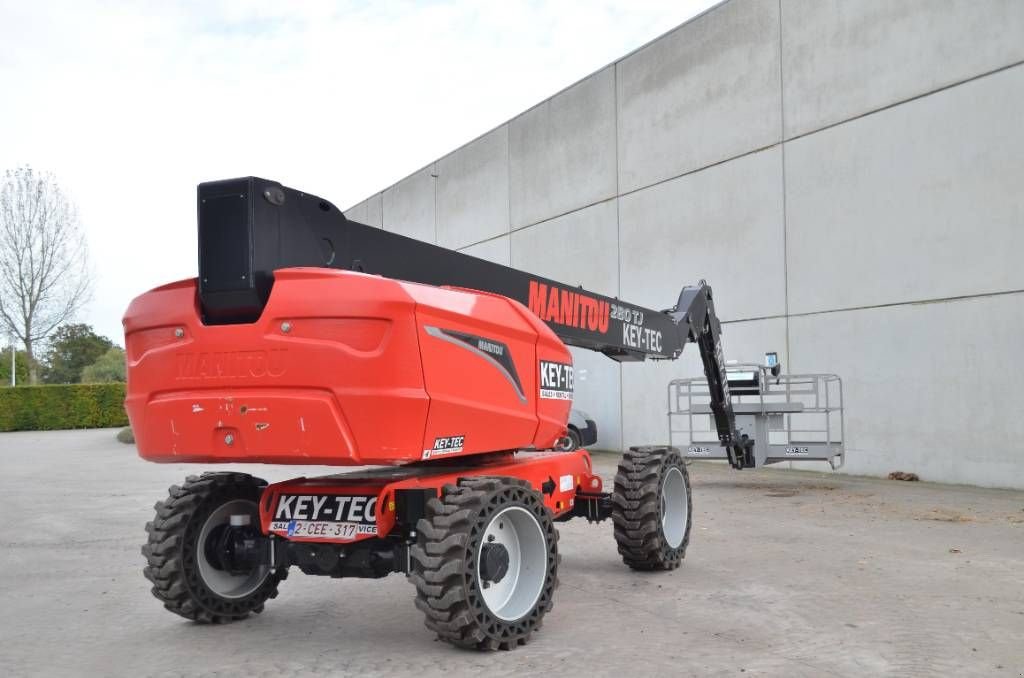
(130, 105)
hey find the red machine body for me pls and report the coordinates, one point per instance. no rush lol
(343, 368)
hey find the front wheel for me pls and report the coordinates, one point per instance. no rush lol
(486, 563)
(188, 553)
(651, 508)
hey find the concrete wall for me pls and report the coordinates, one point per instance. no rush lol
(846, 173)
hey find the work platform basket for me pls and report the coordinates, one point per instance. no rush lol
(790, 417)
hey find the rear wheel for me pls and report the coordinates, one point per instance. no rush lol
(486, 563)
(189, 547)
(651, 508)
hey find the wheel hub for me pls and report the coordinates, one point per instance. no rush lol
(228, 557)
(235, 550)
(514, 553)
(493, 562)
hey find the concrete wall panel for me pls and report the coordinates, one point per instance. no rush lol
(497, 250)
(723, 224)
(369, 211)
(375, 210)
(580, 248)
(703, 93)
(472, 191)
(881, 243)
(409, 206)
(562, 152)
(645, 385)
(921, 201)
(929, 388)
(357, 212)
(843, 59)
(599, 395)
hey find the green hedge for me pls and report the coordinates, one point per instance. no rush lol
(46, 408)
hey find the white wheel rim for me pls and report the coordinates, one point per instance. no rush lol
(674, 516)
(225, 584)
(520, 533)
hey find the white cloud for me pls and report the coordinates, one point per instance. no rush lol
(131, 105)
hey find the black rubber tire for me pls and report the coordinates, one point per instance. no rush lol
(171, 549)
(444, 563)
(637, 508)
(577, 440)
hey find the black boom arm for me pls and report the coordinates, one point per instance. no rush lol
(249, 227)
(694, 313)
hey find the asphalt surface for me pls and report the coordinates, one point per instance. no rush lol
(795, 574)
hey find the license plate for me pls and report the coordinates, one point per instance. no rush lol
(325, 516)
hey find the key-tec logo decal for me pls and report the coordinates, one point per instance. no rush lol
(327, 507)
(556, 380)
(569, 308)
(445, 446)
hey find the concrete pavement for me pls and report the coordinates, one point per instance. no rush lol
(788, 573)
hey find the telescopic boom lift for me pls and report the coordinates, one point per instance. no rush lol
(308, 338)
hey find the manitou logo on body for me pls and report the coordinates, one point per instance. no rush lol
(556, 380)
(445, 446)
(569, 308)
(490, 347)
(230, 364)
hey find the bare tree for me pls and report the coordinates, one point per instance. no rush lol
(44, 263)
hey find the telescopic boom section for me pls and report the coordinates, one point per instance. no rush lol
(249, 227)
